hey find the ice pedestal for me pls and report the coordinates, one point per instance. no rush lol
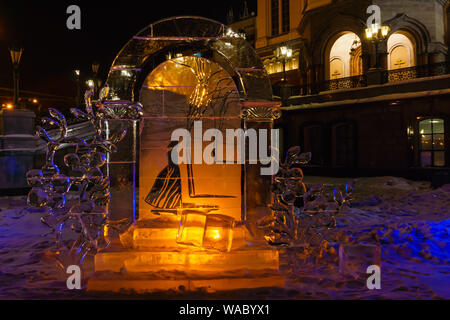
(154, 261)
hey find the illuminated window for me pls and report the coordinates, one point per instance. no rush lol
(275, 17)
(432, 143)
(401, 51)
(345, 56)
(285, 21)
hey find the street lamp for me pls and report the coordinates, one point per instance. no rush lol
(77, 79)
(95, 68)
(16, 54)
(90, 83)
(377, 33)
(283, 54)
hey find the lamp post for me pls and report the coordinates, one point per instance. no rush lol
(77, 78)
(283, 54)
(95, 68)
(16, 54)
(377, 33)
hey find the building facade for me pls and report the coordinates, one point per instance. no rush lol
(361, 107)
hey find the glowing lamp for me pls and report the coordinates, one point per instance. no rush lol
(385, 31)
(218, 232)
(16, 54)
(90, 83)
(210, 231)
(283, 52)
(95, 67)
(9, 106)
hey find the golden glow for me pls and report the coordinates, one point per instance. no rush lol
(283, 52)
(9, 106)
(178, 91)
(35, 101)
(345, 56)
(90, 83)
(192, 228)
(377, 31)
(401, 51)
(16, 55)
(216, 234)
(274, 65)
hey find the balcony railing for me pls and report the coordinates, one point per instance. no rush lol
(343, 83)
(360, 81)
(422, 71)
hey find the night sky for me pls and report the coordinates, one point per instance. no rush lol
(52, 51)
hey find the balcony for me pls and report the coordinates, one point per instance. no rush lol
(355, 82)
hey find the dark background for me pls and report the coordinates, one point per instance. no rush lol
(52, 52)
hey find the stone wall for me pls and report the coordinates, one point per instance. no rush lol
(382, 141)
(429, 12)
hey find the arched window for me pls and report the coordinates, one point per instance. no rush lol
(345, 56)
(432, 143)
(343, 145)
(313, 142)
(401, 51)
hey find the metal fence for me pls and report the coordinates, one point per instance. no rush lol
(343, 83)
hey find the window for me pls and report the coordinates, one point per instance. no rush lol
(401, 51)
(285, 19)
(344, 145)
(345, 56)
(275, 17)
(432, 143)
(313, 142)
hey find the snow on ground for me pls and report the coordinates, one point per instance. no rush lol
(408, 221)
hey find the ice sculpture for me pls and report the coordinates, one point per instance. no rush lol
(196, 221)
(78, 195)
(301, 218)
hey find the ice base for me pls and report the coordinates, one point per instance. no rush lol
(148, 259)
